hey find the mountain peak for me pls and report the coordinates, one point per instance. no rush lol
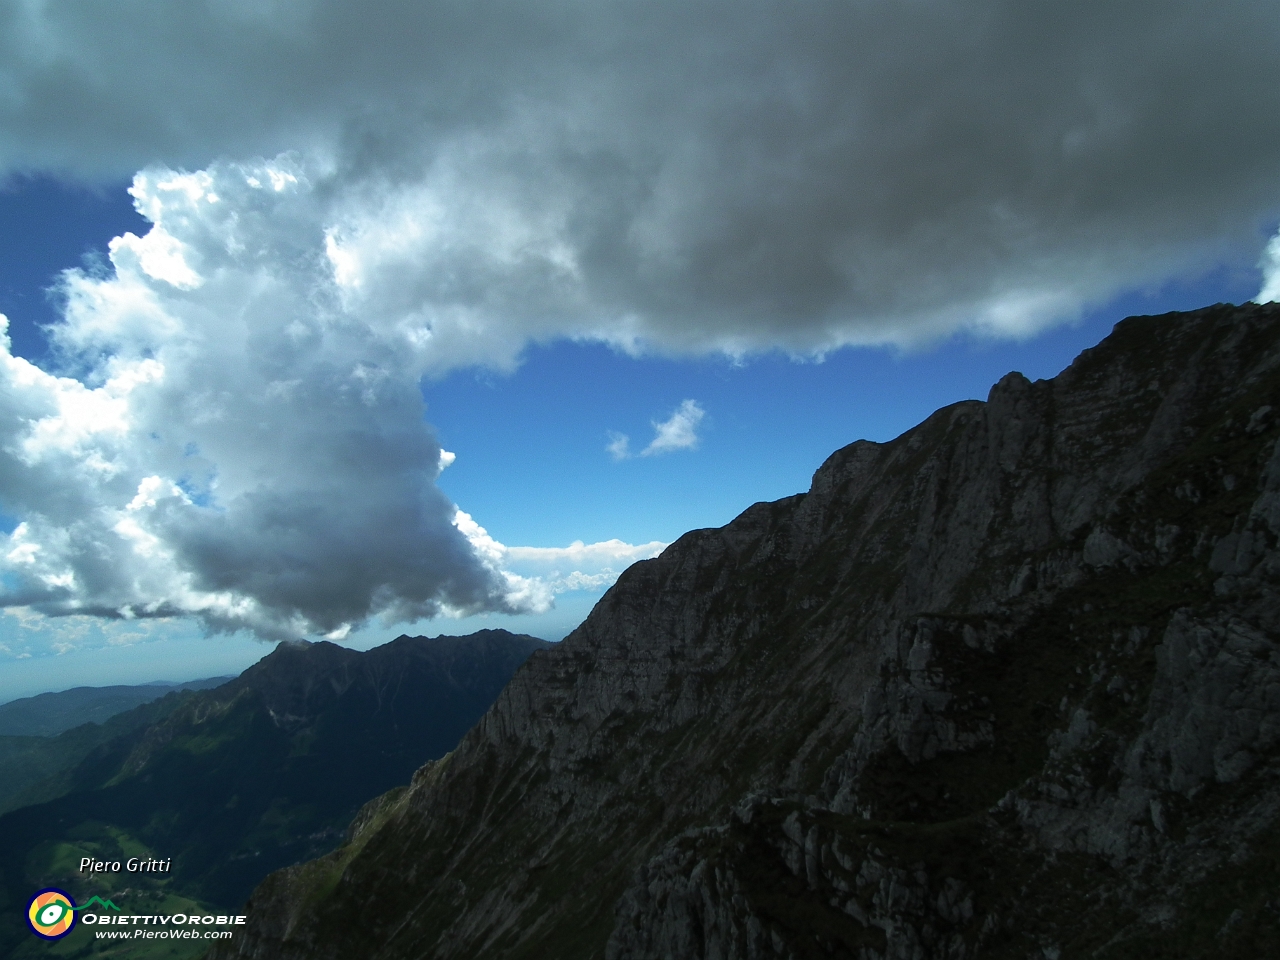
(263, 771)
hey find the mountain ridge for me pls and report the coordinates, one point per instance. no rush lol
(1012, 668)
(263, 771)
(49, 714)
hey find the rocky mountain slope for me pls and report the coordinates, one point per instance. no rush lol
(263, 771)
(1006, 686)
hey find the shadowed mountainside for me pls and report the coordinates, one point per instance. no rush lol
(263, 771)
(1005, 686)
(48, 735)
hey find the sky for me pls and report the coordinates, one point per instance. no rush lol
(337, 320)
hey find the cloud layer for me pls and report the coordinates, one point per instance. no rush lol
(542, 573)
(695, 176)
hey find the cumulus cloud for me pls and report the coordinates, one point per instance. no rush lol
(1270, 265)
(227, 441)
(691, 176)
(237, 432)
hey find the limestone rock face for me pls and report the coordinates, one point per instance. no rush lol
(1006, 686)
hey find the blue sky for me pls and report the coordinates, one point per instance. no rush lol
(376, 285)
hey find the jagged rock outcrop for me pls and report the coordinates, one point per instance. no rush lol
(1007, 686)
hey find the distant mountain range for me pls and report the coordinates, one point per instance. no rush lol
(43, 738)
(37, 768)
(1007, 686)
(49, 714)
(265, 770)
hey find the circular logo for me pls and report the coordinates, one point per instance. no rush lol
(52, 914)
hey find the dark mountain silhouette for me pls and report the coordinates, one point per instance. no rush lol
(1007, 686)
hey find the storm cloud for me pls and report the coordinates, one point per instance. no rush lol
(697, 176)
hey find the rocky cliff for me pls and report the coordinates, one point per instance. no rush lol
(1006, 686)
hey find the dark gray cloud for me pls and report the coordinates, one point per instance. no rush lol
(704, 175)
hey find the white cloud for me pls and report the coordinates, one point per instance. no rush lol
(1270, 265)
(541, 573)
(236, 445)
(677, 432)
(243, 441)
(158, 255)
(619, 445)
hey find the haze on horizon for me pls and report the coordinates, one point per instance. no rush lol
(433, 316)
